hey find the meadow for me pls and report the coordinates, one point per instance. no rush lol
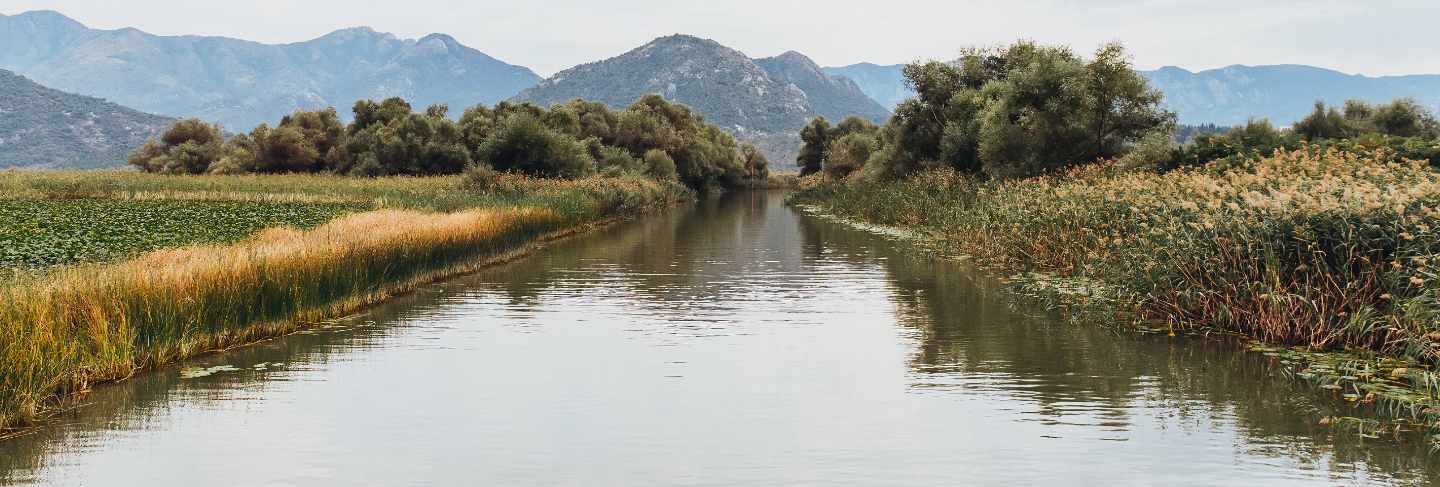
(1317, 248)
(114, 272)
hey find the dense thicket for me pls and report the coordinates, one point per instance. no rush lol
(1402, 127)
(652, 137)
(1013, 111)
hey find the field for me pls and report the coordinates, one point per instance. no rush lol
(44, 233)
(110, 273)
(1321, 249)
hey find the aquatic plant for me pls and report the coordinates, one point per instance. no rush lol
(1316, 247)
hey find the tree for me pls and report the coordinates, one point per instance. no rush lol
(757, 166)
(1018, 111)
(1323, 124)
(187, 147)
(523, 144)
(660, 165)
(848, 154)
(816, 139)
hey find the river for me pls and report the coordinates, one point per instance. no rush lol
(735, 342)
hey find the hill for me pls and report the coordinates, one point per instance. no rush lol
(1281, 93)
(241, 83)
(763, 101)
(45, 128)
(885, 84)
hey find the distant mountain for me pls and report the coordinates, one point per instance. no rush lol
(1281, 93)
(242, 83)
(1225, 96)
(885, 84)
(763, 101)
(46, 128)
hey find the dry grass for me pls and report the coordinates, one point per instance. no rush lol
(65, 329)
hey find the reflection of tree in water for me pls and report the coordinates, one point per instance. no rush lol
(704, 254)
(971, 335)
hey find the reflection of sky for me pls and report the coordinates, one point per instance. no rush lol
(735, 345)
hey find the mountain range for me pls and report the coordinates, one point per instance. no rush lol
(241, 83)
(46, 128)
(761, 101)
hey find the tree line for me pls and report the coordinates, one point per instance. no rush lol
(1403, 127)
(653, 137)
(1027, 109)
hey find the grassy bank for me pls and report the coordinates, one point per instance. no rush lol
(1320, 249)
(67, 324)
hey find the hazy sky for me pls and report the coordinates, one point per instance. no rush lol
(1372, 37)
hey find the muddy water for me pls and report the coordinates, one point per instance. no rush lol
(733, 343)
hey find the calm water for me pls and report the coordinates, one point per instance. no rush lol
(735, 343)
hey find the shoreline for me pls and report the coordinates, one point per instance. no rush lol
(1362, 377)
(142, 355)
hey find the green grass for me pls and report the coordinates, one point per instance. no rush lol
(44, 233)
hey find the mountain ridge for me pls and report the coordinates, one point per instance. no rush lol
(762, 101)
(41, 127)
(241, 83)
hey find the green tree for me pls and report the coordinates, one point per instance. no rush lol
(815, 138)
(1322, 124)
(187, 147)
(524, 144)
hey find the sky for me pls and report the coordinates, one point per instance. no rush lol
(1372, 37)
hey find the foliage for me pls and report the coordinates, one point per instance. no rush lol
(187, 147)
(1317, 246)
(387, 138)
(1401, 128)
(64, 328)
(40, 233)
(1010, 112)
(522, 144)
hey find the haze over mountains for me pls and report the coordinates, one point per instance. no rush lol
(45, 128)
(1226, 96)
(763, 101)
(241, 83)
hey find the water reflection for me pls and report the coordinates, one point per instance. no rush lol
(732, 343)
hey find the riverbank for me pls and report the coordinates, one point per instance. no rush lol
(1323, 251)
(67, 324)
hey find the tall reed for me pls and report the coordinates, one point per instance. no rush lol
(65, 329)
(1311, 247)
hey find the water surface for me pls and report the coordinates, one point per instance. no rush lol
(733, 343)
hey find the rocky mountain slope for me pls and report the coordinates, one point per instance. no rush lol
(763, 101)
(46, 128)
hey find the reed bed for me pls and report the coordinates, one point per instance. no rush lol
(1313, 247)
(69, 327)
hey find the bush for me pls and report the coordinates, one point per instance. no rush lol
(187, 147)
(523, 144)
(659, 165)
(389, 138)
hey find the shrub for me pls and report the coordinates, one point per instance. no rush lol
(523, 144)
(187, 147)
(659, 165)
